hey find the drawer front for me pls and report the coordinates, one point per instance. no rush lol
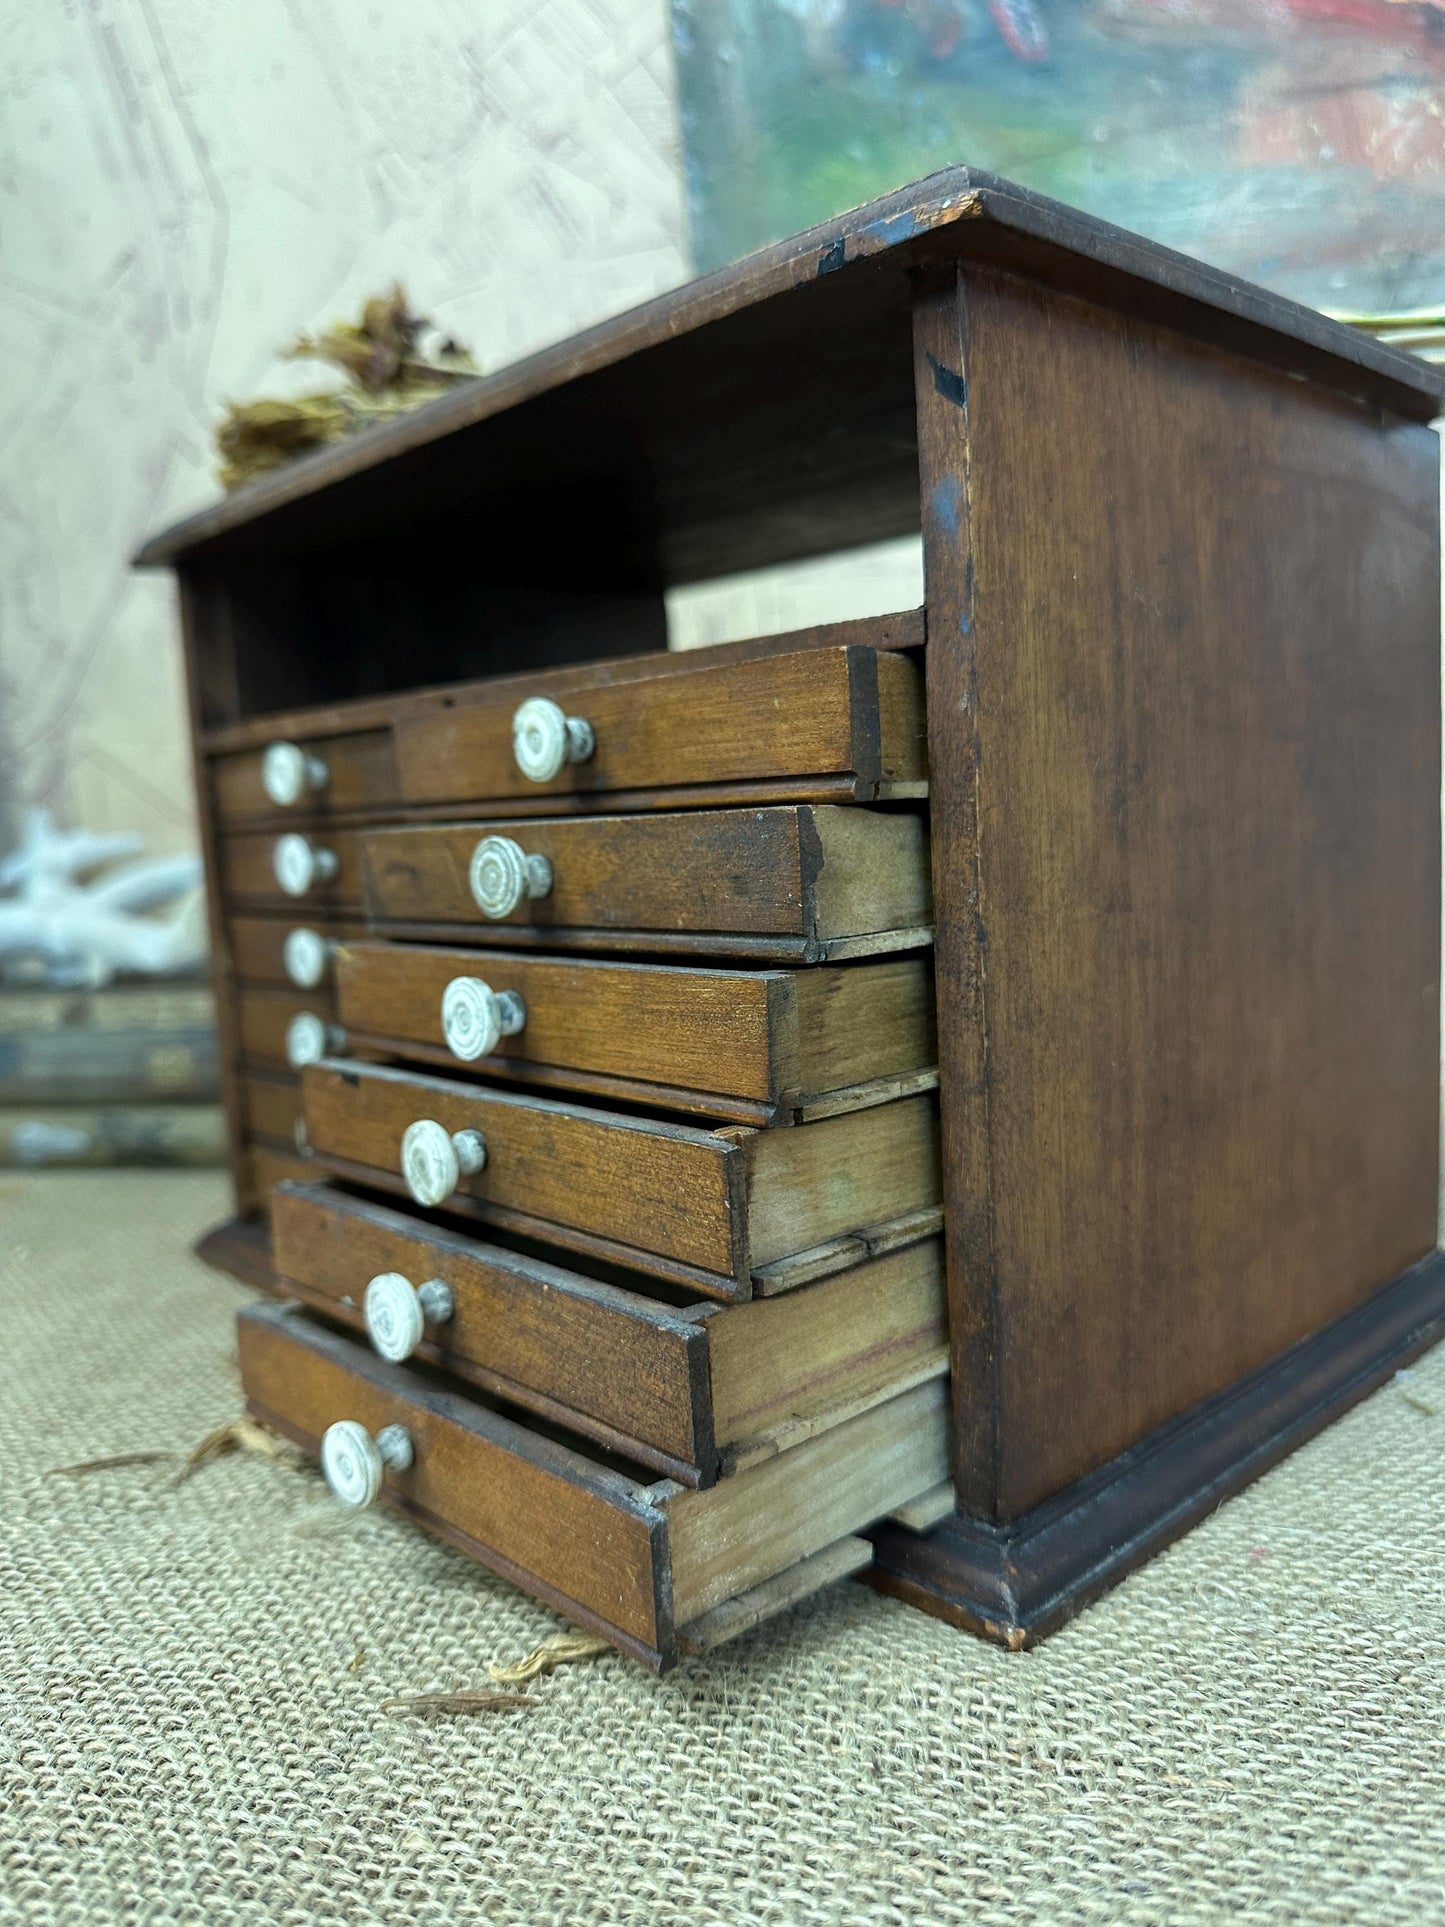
(763, 1047)
(306, 778)
(591, 1180)
(568, 1528)
(248, 863)
(264, 1019)
(800, 882)
(298, 950)
(262, 1167)
(645, 1564)
(615, 1365)
(852, 717)
(271, 1109)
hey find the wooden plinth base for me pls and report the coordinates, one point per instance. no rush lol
(1017, 1583)
(242, 1247)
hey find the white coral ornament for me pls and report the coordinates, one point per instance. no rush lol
(90, 932)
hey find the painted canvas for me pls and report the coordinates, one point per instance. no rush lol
(1298, 142)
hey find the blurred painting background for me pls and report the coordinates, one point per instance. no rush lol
(1297, 142)
(184, 188)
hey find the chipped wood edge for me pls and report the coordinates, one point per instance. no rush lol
(768, 1445)
(785, 1589)
(927, 1510)
(839, 1254)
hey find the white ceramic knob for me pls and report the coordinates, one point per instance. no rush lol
(309, 1038)
(544, 738)
(502, 875)
(434, 1159)
(306, 956)
(354, 1463)
(396, 1312)
(289, 772)
(298, 864)
(475, 1018)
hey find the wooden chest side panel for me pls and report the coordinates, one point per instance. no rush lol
(1204, 647)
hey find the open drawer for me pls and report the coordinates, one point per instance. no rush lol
(758, 1046)
(654, 1567)
(695, 1389)
(845, 722)
(802, 884)
(725, 1211)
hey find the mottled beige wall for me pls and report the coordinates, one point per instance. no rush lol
(185, 185)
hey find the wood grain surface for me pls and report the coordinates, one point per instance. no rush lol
(360, 775)
(701, 1207)
(572, 1525)
(689, 1388)
(848, 712)
(257, 943)
(248, 875)
(263, 1014)
(1185, 754)
(784, 1040)
(618, 1364)
(581, 1532)
(813, 874)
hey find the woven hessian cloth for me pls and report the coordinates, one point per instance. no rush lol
(190, 1728)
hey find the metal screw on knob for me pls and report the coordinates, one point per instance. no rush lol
(475, 1018)
(397, 1312)
(434, 1160)
(309, 1038)
(288, 773)
(306, 956)
(502, 875)
(354, 1463)
(298, 864)
(545, 738)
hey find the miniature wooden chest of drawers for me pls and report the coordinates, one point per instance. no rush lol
(968, 1076)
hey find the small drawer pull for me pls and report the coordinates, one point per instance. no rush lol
(475, 1018)
(298, 864)
(354, 1463)
(397, 1312)
(544, 738)
(288, 773)
(309, 1038)
(306, 956)
(434, 1159)
(502, 875)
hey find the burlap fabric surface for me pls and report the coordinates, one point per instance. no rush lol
(190, 1725)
